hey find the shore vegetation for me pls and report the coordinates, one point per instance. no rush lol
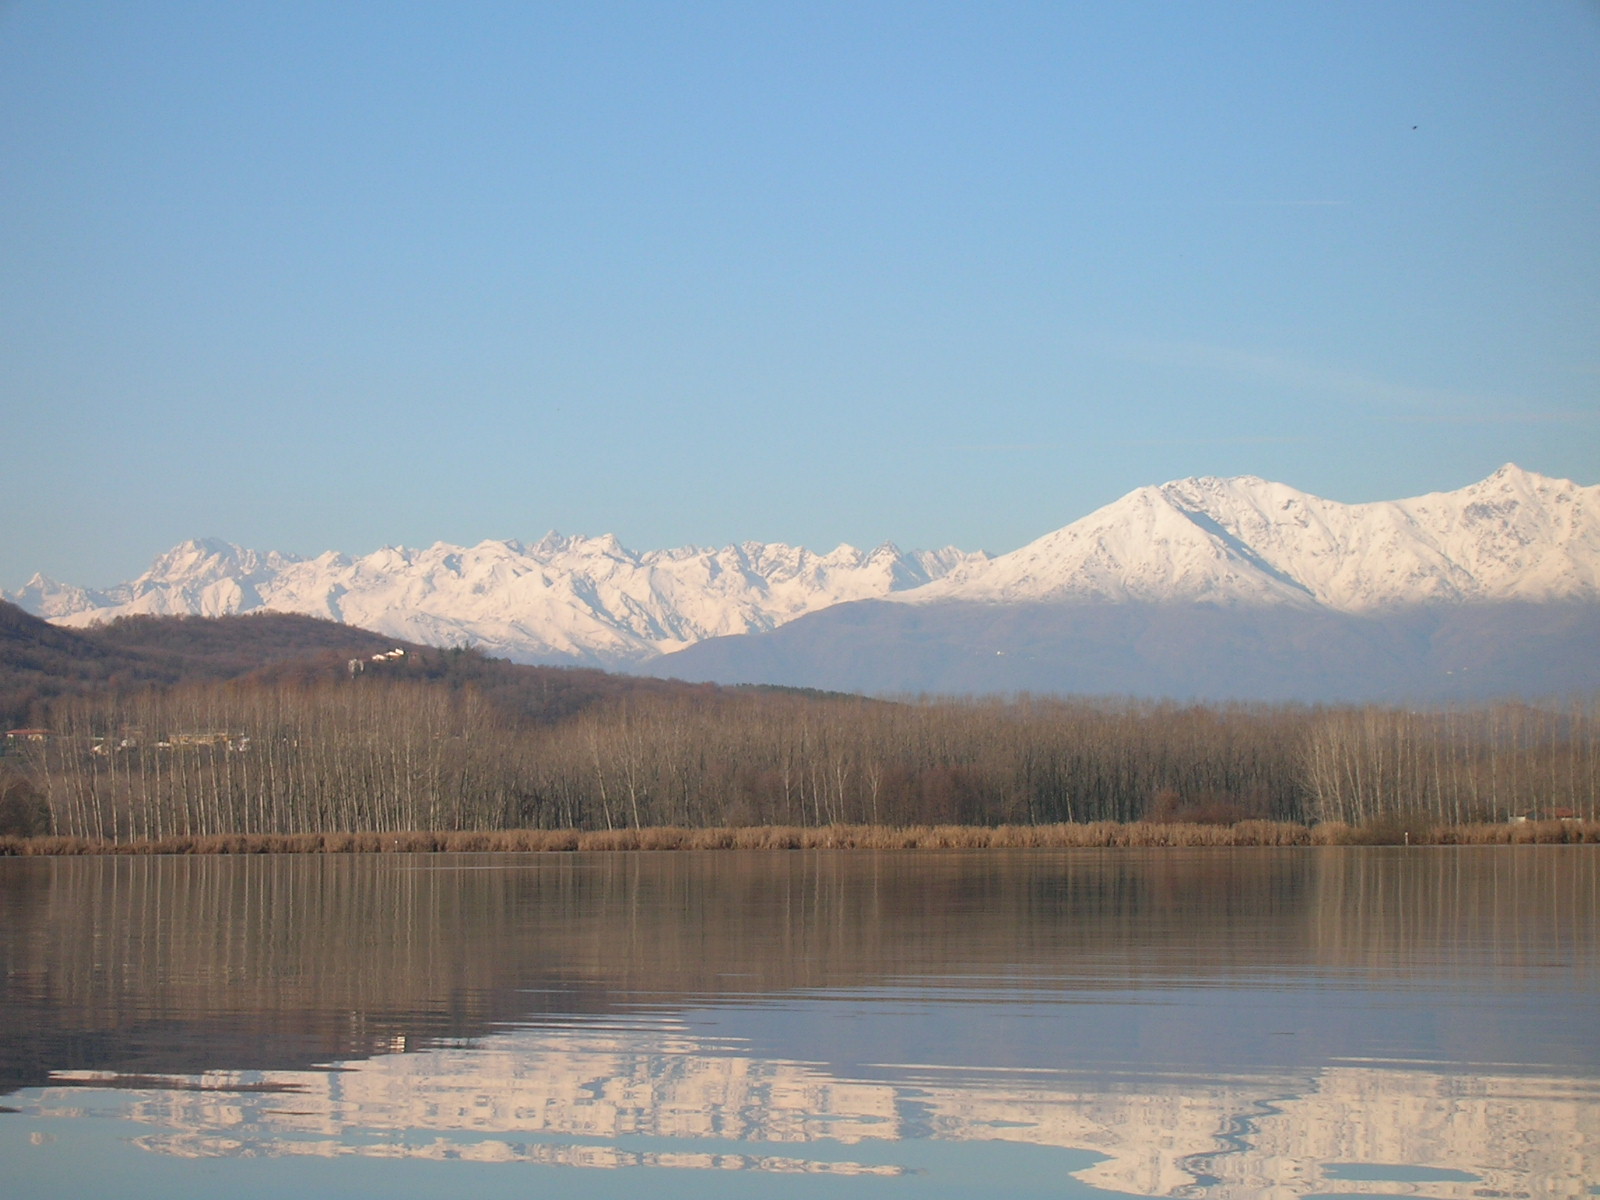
(417, 751)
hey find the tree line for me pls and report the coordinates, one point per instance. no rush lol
(390, 753)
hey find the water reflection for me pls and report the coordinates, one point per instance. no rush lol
(662, 1098)
(1217, 1023)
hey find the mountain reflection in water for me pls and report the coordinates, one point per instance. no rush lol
(1218, 1023)
(588, 1098)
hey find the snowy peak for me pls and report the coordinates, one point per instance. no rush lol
(204, 576)
(1148, 546)
(1517, 535)
(44, 597)
(1514, 536)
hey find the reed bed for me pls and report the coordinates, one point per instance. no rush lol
(1097, 834)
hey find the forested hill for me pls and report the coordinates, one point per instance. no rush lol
(40, 662)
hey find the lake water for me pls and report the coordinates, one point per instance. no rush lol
(1211, 1023)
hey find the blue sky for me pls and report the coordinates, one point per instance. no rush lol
(314, 276)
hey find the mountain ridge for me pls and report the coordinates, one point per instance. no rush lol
(578, 600)
(1243, 545)
(1514, 535)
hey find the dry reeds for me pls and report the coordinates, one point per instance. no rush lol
(1518, 833)
(1097, 834)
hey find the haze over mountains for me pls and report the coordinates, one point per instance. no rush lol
(1200, 587)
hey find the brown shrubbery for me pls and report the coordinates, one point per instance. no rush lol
(24, 812)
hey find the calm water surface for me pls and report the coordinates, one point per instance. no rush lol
(1209, 1023)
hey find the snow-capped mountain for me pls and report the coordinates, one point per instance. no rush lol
(1514, 536)
(562, 599)
(1164, 590)
(205, 578)
(1232, 588)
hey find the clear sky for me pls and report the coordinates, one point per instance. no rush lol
(329, 275)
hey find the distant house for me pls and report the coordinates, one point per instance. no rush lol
(16, 740)
(131, 738)
(203, 737)
(356, 665)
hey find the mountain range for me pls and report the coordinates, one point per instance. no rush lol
(1201, 587)
(569, 600)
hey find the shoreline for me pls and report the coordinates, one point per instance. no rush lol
(1094, 835)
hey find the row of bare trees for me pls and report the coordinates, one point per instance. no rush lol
(1454, 765)
(211, 759)
(376, 755)
(782, 759)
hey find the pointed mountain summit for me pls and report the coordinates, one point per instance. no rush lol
(1515, 535)
(1147, 546)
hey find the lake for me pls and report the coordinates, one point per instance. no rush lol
(1219, 1023)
